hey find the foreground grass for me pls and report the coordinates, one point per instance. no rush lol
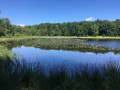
(27, 76)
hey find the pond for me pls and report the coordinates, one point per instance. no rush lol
(54, 56)
(60, 56)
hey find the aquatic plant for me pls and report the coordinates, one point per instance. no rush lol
(59, 43)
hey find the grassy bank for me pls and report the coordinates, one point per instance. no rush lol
(28, 37)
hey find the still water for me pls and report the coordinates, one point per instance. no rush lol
(55, 57)
(105, 43)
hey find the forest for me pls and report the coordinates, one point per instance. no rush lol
(82, 28)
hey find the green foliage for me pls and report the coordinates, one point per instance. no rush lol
(95, 30)
(83, 28)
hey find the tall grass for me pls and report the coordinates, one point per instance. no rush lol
(15, 75)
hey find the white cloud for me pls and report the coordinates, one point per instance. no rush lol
(22, 25)
(89, 19)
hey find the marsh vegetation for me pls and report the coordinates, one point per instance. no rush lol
(21, 74)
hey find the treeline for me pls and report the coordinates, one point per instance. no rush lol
(83, 28)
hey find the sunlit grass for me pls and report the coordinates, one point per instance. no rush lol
(4, 52)
(32, 37)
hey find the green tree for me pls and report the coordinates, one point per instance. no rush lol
(95, 30)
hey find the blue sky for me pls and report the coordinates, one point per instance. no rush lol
(30, 12)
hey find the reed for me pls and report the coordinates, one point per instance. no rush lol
(34, 76)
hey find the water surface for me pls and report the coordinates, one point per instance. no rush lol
(105, 43)
(54, 57)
